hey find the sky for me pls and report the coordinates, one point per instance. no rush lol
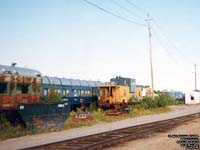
(73, 39)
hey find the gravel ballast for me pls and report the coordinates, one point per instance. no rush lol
(39, 139)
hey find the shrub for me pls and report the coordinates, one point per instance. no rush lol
(9, 131)
(52, 96)
(148, 103)
(161, 100)
(92, 107)
(132, 99)
(164, 100)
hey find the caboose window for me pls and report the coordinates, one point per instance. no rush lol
(3, 88)
(103, 92)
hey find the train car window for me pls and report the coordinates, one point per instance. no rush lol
(39, 88)
(34, 89)
(59, 91)
(64, 92)
(94, 93)
(67, 92)
(3, 88)
(79, 92)
(30, 90)
(89, 93)
(45, 92)
(19, 89)
(24, 88)
(12, 88)
(103, 92)
(132, 87)
(83, 93)
(75, 93)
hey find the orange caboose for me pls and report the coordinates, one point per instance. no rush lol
(113, 94)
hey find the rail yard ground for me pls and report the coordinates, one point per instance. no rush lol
(33, 140)
(161, 141)
(98, 116)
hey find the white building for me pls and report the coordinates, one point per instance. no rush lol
(192, 97)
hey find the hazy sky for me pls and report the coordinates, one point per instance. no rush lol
(72, 39)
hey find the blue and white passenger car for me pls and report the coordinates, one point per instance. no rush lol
(71, 90)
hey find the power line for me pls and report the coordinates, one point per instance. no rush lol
(127, 10)
(163, 44)
(170, 41)
(113, 14)
(136, 6)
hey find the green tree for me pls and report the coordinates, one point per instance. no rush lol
(52, 96)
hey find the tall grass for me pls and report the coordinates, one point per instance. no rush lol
(9, 131)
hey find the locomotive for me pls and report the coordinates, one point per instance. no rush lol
(22, 91)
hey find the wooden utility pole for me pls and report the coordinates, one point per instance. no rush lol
(150, 51)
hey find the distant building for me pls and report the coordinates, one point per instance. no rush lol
(142, 91)
(192, 97)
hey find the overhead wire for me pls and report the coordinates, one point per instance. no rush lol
(113, 14)
(170, 41)
(163, 44)
(127, 10)
(163, 34)
(137, 7)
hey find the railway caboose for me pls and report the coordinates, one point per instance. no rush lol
(119, 90)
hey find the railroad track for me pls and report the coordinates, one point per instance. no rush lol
(115, 137)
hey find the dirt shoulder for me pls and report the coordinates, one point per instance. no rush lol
(161, 141)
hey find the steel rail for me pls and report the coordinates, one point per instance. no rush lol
(115, 137)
